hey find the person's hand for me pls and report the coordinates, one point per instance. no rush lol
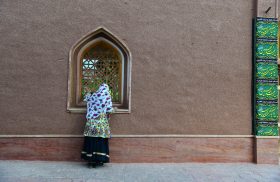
(88, 90)
(115, 108)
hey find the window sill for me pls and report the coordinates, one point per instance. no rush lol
(84, 110)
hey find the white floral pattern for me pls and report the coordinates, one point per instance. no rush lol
(98, 105)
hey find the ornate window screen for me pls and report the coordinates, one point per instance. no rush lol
(101, 63)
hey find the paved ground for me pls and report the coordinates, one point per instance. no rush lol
(78, 172)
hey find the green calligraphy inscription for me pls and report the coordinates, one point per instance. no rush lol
(266, 50)
(266, 91)
(267, 130)
(266, 71)
(266, 29)
(267, 112)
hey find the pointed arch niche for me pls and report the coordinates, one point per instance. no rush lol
(97, 58)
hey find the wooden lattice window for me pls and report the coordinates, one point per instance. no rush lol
(101, 63)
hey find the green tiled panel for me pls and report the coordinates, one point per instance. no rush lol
(266, 74)
(266, 29)
(266, 50)
(267, 130)
(266, 71)
(266, 112)
(266, 91)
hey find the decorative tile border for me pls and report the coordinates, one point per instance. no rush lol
(265, 72)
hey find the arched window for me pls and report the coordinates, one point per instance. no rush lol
(95, 59)
(100, 63)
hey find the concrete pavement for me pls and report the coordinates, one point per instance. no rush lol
(25, 171)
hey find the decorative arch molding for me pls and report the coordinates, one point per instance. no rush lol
(99, 35)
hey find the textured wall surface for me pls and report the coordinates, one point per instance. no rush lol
(264, 6)
(191, 64)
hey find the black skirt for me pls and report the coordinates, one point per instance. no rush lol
(96, 149)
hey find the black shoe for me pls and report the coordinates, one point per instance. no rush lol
(98, 164)
(90, 165)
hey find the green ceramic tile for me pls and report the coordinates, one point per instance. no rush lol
(266, 29)
(266, 71)
(266, 50)
(266, 91)
(267, 130)
(266, 112)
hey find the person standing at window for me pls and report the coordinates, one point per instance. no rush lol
(97, 131)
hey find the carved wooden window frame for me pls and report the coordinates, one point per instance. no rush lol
(74, 103)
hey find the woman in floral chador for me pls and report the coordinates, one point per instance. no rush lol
(97, 131)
